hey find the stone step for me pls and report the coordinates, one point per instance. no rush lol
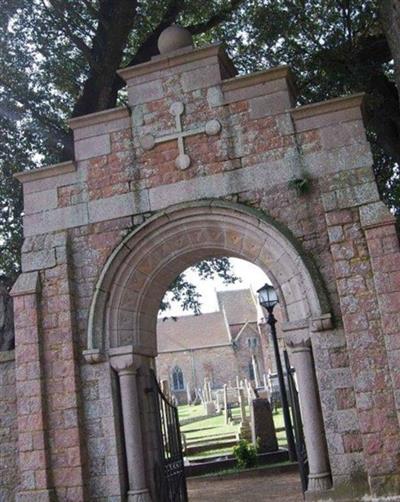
(201, 447)
(214, 437)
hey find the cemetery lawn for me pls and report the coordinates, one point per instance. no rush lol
(211, 435)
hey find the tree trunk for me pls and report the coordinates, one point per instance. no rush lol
(6, 320)
(390, 17)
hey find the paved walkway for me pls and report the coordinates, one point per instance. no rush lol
(252, 486)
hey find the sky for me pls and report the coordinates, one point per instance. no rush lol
(251, 277)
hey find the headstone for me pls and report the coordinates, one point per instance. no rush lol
(244, 428)
(226, 415)
(266, 386)
(256, 371)
(189, 393)
(263, 431)
(209, 408)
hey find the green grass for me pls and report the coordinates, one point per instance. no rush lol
(237, 470)
(216, 429)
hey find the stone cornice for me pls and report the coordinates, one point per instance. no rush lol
(7, 356)
(376, 215)
(179, 58)
(46, 172)
(99, 117)
(330, 106)
(191, 349)
(28, 283)
(259, 77)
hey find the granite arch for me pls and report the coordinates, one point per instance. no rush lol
(137, 274)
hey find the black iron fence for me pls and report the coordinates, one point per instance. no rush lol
(170, 478)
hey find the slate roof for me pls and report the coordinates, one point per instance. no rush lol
(205, 330)
(208, 330)
(239, 305)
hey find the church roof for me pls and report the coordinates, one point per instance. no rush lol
(239, 305)
(190, 332)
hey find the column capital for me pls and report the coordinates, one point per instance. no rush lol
(123, 364)
(303, 345)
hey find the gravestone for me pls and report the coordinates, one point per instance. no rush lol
(262, 426)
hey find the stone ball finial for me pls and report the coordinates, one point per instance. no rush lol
(173, 38)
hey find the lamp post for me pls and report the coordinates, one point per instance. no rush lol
(268, 298)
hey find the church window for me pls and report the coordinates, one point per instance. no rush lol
(254, 342)
(177, 379)
(251, 370)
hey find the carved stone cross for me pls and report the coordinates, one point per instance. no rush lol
(148, 141)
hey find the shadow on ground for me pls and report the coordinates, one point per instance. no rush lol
(251, 486)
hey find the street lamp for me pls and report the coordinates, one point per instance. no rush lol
(268, 298)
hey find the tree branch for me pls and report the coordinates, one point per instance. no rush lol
(218, 18)
(77, 41)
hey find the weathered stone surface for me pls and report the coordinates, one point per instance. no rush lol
(262, 425)
(40, 201)
(118, 206)
(333, 252)
(38, 260)
(144, 93)
(93, 146)
(271, 104)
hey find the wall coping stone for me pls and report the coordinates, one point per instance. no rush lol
(46, 172)
(178, 58)
(329, 106)
(7, 356)
(27, 284)
(99, 117)
(200, 347)
(376, 214)
(259, 77)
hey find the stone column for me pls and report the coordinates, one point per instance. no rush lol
(319, 478)
(126, 366)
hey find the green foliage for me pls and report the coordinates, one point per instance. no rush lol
(301, 185)
(185, 292)
(58, 58)
(245, 454)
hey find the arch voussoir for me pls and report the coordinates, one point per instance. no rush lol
(149, 258)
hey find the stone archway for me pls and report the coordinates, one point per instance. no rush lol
(142, 267)
(124, 309)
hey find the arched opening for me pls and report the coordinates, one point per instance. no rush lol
(123, 316)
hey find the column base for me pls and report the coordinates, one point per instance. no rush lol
(36, 495)
(319, 482)
(139, 496)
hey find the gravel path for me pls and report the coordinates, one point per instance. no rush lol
(253, 486)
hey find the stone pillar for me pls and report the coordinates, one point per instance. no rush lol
(319, 478)
(126, 366)
(33, 448)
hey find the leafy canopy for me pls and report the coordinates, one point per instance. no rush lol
(58, 58)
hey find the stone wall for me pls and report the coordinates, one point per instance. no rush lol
(9, 476)
(76, 214)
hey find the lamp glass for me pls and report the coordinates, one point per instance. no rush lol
(267, 296)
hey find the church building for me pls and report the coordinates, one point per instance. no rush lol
(218, 346)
